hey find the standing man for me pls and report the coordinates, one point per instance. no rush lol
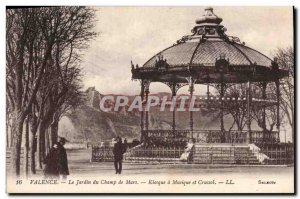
(125, 143)
(118, 151)
(56, 161)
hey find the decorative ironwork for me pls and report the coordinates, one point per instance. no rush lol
(145, 84)
(183, 39)
(222, 64)
(132, 66)
(218, 86)
(102, 154)
(191, 81)
(147, 112)
(234, 40)
(249, 96)
(260, 85)
(175, 86)
(161, 64)
(142, 112)
(274, 64)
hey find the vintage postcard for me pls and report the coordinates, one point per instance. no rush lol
(193, 100)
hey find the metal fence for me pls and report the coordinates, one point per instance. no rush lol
(156, 152)
(225, 155)
(102, 154)
(269, 154)
(279, 154)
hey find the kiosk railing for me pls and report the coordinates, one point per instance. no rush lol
(213, 136)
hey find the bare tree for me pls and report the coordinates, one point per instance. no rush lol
(74, 99)
(62, 95)
(258, 110)
(285, 59)
(22, 79)
(237, 108)
(270, 109)
(35, 36)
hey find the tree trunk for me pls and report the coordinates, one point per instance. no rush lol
(41, 141)
(7, 138)
(33, 142)
(47, 141)
(54, 132)
(7, 134)
(26, 149)
(40, 144)
(17, 127)
(11, 137)
(293, 128)
(33, 146)
(39, 148)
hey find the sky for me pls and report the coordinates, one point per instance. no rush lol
(138, 33)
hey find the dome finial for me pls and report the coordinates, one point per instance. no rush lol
(209, 17)
(209, 24)
(209, 11)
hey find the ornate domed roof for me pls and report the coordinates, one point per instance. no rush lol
(208, 54)
(205, 54)
(207, 44)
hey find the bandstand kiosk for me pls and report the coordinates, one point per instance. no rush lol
(208, 56)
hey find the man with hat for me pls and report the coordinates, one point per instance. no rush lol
(118, 152)
(56, 161)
